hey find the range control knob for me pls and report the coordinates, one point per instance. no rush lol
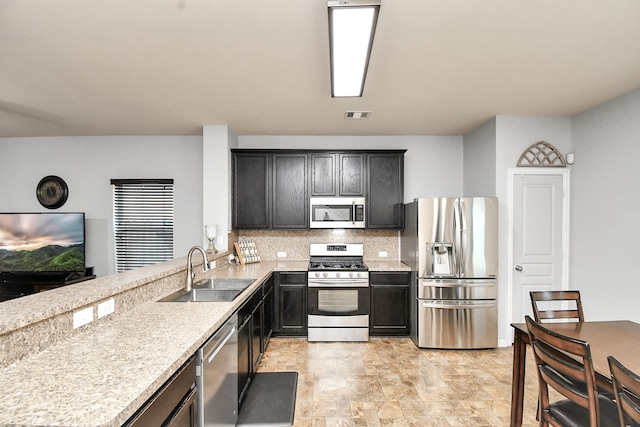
(317, 274)
(325, 274)
(337, 274)
(350, 274)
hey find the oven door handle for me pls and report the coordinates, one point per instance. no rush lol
(458, 305)
(341, 283)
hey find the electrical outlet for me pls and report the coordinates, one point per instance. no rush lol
(282, 254)
(213, 264)
(382, 254)
(82, 317)
(106, 307)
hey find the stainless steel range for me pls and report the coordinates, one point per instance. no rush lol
(338, 293)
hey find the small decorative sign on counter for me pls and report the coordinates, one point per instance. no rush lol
(247, 251)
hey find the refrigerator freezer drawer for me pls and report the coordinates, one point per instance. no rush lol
(457, 289)
(457, 324)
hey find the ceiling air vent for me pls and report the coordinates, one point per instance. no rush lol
(356, 115)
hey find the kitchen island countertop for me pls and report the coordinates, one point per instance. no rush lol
(102, 376)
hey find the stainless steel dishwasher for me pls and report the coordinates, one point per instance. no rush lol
(217, 377)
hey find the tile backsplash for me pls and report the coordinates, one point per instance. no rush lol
(295, 243)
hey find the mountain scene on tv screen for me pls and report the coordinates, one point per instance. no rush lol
(44, 259)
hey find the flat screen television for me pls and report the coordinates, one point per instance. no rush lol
(42, 243)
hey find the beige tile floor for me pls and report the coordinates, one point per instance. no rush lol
(391, 382)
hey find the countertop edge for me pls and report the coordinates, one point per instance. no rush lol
(95, 357)
(117, 361)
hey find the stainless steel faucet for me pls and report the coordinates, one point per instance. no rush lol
(190, 273)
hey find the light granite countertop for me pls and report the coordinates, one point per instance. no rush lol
(387, 266)
(101, 377)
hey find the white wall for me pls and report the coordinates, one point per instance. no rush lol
(605, 231)
(479, 175)
(514, 134)
(88, 164)
(216, 181)
(432, 164)
(200, 167)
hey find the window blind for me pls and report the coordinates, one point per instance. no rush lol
(142, 222)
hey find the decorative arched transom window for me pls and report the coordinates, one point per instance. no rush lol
(542, 154)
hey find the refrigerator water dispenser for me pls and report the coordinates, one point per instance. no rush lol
(441, 261)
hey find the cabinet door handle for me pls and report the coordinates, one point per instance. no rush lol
(518, 268)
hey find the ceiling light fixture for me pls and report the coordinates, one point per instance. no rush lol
(352, 24)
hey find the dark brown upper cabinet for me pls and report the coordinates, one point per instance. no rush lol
(337, 174)
(290, 198)
(271, 188)
(250, 190)
(351, 174)
(323, 174)
(385, 195)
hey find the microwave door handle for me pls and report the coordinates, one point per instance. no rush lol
(353, 212)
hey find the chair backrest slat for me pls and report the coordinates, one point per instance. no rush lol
(626, 386)
(562, 363)
(540, 298)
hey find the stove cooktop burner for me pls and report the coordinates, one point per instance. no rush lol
(337, 265)
(327, 257)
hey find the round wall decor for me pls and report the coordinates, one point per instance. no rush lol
(52, 192)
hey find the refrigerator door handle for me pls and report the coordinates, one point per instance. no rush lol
(457, 306)
(459, 227)
(481, 283)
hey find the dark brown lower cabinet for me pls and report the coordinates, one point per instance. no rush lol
(256, 337)
(389, 303)
(290, 298)
(249, 350)
(267, 314)
(244, 356)
(174, 405)
(185, 414)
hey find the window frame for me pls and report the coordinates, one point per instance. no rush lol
(143, 222)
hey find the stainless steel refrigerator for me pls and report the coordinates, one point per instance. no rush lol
(451, 245)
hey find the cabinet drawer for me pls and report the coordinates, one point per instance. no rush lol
(292, 278)
(389, 278)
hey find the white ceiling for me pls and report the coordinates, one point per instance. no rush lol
(439, 67)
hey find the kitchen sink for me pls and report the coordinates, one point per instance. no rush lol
(211, 290)
(224, 284)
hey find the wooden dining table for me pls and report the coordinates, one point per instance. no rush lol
(620, 339)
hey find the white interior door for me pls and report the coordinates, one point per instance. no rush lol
(538, 238)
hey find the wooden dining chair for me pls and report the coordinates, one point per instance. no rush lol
(573, 377)
(545, 305)
(626, 385)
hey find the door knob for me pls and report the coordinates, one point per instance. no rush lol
(518, 268)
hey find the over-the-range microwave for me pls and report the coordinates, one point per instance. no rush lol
(337, 212)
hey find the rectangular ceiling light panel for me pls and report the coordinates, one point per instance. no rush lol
(352, 25)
